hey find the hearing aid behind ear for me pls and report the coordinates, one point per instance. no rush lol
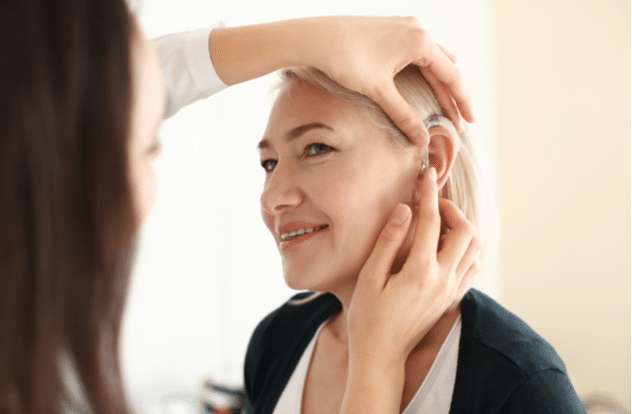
(435, 121)
(425, 163)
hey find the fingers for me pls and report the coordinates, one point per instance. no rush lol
(429, 221)
(442, 67)
(471, 256)
(451, 55)
(460, 253)
(459, 236)
(377, 268)
(467, 281)
(402, 114)
(443, 97)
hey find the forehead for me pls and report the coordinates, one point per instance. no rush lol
(300, 102)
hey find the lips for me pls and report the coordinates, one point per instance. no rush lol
(299, 231)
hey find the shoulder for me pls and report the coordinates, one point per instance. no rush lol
(488, 324)
(279, 341)
(509, 363)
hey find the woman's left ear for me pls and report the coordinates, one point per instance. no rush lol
(442, 151)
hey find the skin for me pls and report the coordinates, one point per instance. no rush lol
(327, 166)
(148, 103)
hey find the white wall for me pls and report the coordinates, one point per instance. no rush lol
(207, 269)
(563, 121)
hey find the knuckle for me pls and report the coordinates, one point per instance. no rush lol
(476, 244)
(390, 234)
(464, 227)
(454, 77)
(421, 269)
(378, 90)
(431, 215)
(412, 20)
(469, 229)
(407, 122)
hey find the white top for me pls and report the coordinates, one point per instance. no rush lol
(434, 396)
(187, 68)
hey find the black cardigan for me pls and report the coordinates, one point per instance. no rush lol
(503, 365)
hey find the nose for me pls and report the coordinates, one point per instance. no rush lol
(281, 191)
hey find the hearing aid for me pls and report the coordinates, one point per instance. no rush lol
(435, 121)
(429, 123)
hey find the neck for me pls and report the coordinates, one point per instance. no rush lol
(337, 324)
(344, 293)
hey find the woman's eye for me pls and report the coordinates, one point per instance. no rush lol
(268, 165)
(317, 149)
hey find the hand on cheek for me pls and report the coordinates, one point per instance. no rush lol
(390, 313)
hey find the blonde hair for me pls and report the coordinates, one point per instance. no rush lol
(468, 185)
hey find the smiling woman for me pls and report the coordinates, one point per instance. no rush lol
(323, 164)
(336, 154)
(335, 167)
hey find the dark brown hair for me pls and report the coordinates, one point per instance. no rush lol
(66, 217)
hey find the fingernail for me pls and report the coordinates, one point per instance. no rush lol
(432, 172)
(400, 215)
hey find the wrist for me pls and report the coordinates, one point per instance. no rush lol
(373, 387)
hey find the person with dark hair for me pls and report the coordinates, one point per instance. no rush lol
(83, 97)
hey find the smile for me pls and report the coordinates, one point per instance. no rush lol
(299, 232)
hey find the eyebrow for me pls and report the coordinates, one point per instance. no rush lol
(295, 133)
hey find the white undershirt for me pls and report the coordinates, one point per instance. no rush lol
(434, 396)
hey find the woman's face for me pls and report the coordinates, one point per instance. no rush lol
(148, 102)
(332, 175)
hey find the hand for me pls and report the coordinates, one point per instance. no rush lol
(361, 53)
(365, 53)
(390, 314)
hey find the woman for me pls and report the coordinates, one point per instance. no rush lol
(83, 98)
(335, 167)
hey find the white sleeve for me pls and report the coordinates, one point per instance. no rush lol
(187, 69)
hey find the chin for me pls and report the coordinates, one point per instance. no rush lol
(320, 282)
(301, 283)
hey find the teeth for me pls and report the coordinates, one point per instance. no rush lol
(299, 232)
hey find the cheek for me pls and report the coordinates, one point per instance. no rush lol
(268, 219)
(367, 200)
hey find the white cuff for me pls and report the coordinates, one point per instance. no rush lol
(199, 61)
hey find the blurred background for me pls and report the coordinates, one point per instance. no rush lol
(551, 85)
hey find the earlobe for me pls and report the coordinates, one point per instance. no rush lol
(443, 149)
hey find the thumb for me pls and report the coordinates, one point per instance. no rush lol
(402, 114)
(376, 269)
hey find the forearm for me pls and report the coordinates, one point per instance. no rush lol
(373, 389)
(243, 53)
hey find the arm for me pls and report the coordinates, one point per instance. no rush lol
(390, 314)
(360, 53)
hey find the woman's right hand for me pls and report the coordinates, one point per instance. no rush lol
(389, 314)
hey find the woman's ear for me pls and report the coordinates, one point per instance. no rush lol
(442, 151)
